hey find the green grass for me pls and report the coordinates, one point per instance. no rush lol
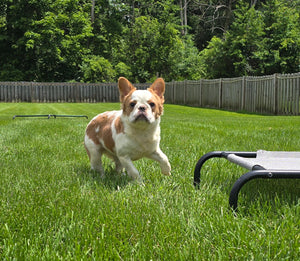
(52, 207)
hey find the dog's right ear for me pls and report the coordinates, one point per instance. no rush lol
(125, 87)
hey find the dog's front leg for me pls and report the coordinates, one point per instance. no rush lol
(163, 161)
(130, 168)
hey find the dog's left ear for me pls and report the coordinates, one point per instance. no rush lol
(125, 87)
(158, 87)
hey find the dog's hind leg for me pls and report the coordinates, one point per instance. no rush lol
(94, 152)
(96, 163)
(119, 167)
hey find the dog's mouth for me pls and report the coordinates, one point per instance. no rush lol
(141, 117)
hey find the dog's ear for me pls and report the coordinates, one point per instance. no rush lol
(125, 87)
(158, 87)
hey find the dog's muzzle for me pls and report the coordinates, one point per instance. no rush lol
(141, 116)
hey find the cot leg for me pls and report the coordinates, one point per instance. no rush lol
(217, 154)
(205, 157)
(234, 193)
(265, 174)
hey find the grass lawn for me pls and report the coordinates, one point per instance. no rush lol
(52, 207)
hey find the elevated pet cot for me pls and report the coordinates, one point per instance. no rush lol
(262, 164)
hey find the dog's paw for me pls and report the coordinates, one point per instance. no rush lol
(99, 170)
(166, 169)
(138, 181)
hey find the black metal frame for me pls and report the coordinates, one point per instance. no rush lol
(256, 172)
(49, 116)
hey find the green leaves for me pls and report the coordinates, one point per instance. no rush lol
(283, 30)
(97, 69)
(59, 40)
(72, 40)
(259, 41)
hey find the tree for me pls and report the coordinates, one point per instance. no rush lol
(282, 39)
(215, 60)
(153, 49)
(74, 40)
(16, 17)
(59, 41)
(259, 41)
(149, 46)
(96, 69)
(44, 40)
(183, 15)
(244, 41)
(208, 18)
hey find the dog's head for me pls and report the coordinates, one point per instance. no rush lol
(142, 105)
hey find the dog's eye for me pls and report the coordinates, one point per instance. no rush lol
(132, 104)
(152, 104)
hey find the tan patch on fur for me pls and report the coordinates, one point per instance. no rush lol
(119, 125)
(125, 88)
(100, 129)
(158, 109)
(158, 88)
(125, 105)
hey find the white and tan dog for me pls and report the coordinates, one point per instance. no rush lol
(131, 133)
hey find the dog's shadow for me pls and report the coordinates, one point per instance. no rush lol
(111, 180)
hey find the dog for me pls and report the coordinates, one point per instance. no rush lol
(130, 133)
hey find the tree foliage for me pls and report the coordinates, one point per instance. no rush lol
(98, 41)
(259, 41)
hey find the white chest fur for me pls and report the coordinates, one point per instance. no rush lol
(137, 141)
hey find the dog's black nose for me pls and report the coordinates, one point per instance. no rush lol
(142, 108)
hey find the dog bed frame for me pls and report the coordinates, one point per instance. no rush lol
(262, 164)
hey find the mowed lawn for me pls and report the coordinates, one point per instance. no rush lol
(52, 207)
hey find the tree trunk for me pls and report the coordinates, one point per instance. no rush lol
(185, 16)
(181, 18)
(93, 12)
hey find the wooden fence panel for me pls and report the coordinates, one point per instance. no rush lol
(232, 94)
(192, 93)
(264, 94)
(178, 93)
(169, 93)
(288, 94)
(249, 95)
(210, 93)
(273, 94)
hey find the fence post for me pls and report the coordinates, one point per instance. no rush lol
(32, 92)
(200, 93)
(275, 84)
(243, 92)
(173, 92)
(220, 93)
(297, 95)
(184, 92)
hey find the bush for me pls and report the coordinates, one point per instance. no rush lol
(97, 69)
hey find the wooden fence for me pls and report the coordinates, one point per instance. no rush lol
(274, 94)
